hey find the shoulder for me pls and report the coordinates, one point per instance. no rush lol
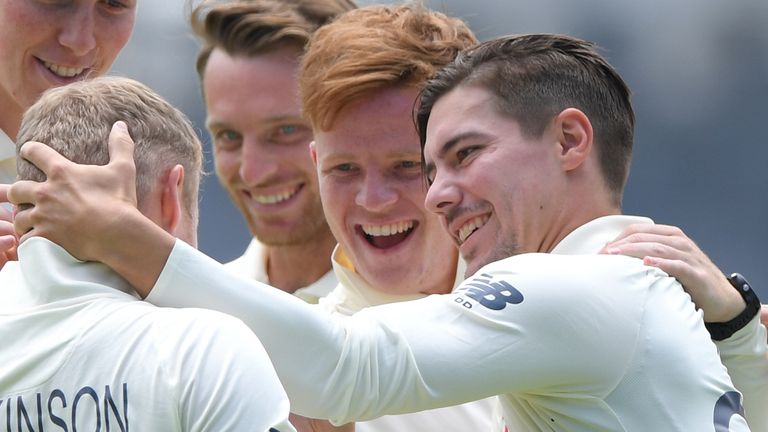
(534, 288)
(559, 275)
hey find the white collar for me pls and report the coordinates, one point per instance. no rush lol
(253, 263)
(51, 274)
(593, 235)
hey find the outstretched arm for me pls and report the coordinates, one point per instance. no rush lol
(88, 209)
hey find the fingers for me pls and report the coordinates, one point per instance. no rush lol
(23, 192)
(44, 157)
(6, 209)
(668, 266)
(7, 242)
(642, 245)
(7, 249)
(651, 229)
(22, 224)
(120, 144)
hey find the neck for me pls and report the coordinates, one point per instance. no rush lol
(574, 216)
(313, 258)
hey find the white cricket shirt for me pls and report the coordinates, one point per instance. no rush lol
(354, 293)
(80, 352)
(580, 342)
(252, 264)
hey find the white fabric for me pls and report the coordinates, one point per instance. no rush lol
(569, 342)
(7, 159)
(253, 265)
(80, 352)
(353, 294)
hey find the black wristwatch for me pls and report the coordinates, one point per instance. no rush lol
(720, 331)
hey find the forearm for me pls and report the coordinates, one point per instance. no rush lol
(138, 251)
(395, 359)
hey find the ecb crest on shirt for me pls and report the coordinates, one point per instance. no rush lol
(494, 295)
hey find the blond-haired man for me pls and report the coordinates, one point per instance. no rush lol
(248, 67)
(80, 351)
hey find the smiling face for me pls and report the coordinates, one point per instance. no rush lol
(45, 44)
(494, 189)
(261, 144)
(369, 166)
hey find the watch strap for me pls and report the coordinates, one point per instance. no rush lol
(721, 331)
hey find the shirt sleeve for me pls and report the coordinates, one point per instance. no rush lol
(745, 355)
(224, 378)
(439, 351)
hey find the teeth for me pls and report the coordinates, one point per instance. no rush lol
(471, 226)
(387, 230)
(276, 198)
(63, 71)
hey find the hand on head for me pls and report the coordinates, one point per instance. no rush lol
(669, 249)
(77, 204)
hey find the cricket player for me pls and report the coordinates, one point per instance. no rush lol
(80, 351)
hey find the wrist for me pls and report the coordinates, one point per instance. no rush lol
(138, 251)
(726, 328)
(727, 305)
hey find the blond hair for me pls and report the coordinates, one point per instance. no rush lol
(76, 119)
(372, 48)
(251, 27)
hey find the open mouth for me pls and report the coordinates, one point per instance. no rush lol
(278, 197)
(471, 226)
(388, 235)
(63, 71)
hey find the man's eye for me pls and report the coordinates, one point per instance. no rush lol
(465, 152)
(288, 129)
(229, 135)
(116, 5)
(227, 139)
(409, 164)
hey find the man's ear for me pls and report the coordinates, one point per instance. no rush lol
(171, 199)
(574, 133)
(313, 152)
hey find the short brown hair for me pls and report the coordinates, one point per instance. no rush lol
(251, 27)
(372, 48)
(536, 76)
(76, 119)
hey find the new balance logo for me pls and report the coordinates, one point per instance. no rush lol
(494, 295)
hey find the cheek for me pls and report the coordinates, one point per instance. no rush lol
(112, 37)
(334, 201)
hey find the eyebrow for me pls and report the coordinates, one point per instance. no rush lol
(211, 124)
(429, 167)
